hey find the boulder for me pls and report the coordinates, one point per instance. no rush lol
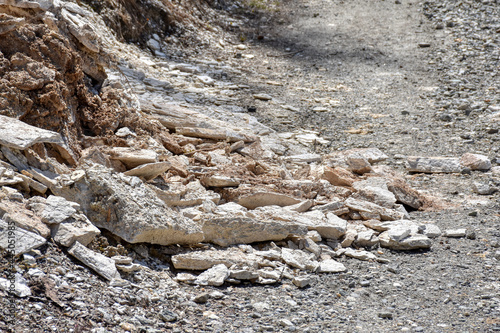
(127, 207)
(225, 231)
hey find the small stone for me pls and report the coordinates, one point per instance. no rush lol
(168, 316)
(201, 298)
(455, 233)
(365, 283)
(331, 266)
(385, 315)
(475, 161)
(482, 189)
(303, 281)
(262, 97)
(214, 276)
(424, 45)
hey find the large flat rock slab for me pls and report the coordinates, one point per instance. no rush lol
(19, 135)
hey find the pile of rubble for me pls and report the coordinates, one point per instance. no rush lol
(178, 176)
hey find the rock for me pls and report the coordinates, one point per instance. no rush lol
(18, 135)
(386, 314)
(331, 266)
(412, 242)
(128, 208)
(374, 211)
(359, 254)
(358, 165)
(132, 157)
(405, 194)
(301, 206)
(219, 134)
(57, 210)
(149, 171)
(12, 212)
(206, 80)
(475, 162)
(122, 260)
(243, 274)
(482, 189)
(201, 298)
(380, 196)
(334, 227)
(269, 274)
(310, 246)
(225, 231)
(262, 97)
(314, 236)
(260, 199)
(339, 176)
(431, 230)
(331, 206)
(298, 259)
(214, 276)
(76, 228)
(303, 281)
(82, 30)
(129, 268)
(367, 239)
(433, 164)
(178, 194)
(168, 316)
(101, 264)
(157, 83)
(21, 241)
(20, 288)
(186, 68)
(304, 158)
(220, 181)
(261, 306)
(455, 233)
(206, 259)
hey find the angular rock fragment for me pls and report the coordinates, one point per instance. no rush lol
(339, 176)
(243, 274)
(15, 213)
(225, 231)
(17, 240)
(19, 135)
(412, 242)
(206, 259)
(220, 181)
(455, 233)
(433, 164)
(331, 266)
(299, 259)
(214, 134)
(77, 228)
(149, 171)
(128, 208)
(374, 210)
(303, 281)
(475, 162)
(359, 254)
(178, 194)
(405, 194)
(21, 288)
(260, 199)
(132, 157)
(57, 209)
(101, 264)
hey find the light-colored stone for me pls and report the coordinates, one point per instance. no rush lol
(331, 266)
(206, 259)
(225, 231)
(301, 206)
(243, 274)
(17, 240)
(367, 238)
(259, 199)
(359, 254)
(310, 246)
(220, 181)
(412, 242)
(19, 135)
(303, 281)
(304, 158)
(21, 288)
(362, 206)
(349, 237)
(405, 194)
(433, 164)
(149, 171)
(299, 259)
(214, 276)
(338, 176)
(314, 236)
(57, 209)
(431, 230)
(76, 228)
(128, 208)
(14, 212)
(455, 233)
(182, 195)
(132, 157)
(263, 97)
(483, 188)
(101, 264)
(475, 162)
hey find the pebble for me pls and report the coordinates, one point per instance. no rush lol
(385, 315)
(262, 97)
(455, 233)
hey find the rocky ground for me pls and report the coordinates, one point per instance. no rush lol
(310, 166)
